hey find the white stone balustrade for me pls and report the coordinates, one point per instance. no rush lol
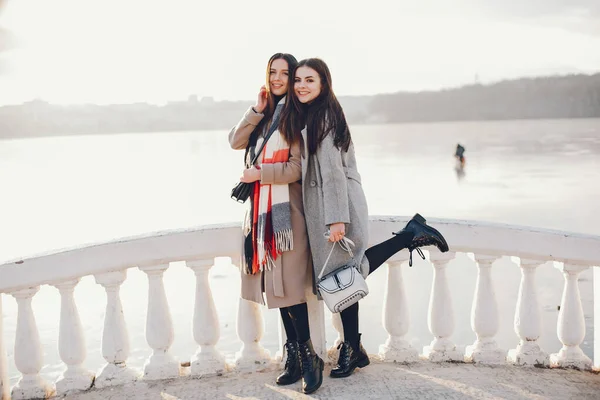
(207, 360)
(115, 338)
(332, 352)
(396, 318)
(571, 323)
(484, 316)
(440, 317)
(528, 320)
(71, 343)
(4, 383)
(159, 327)
(250, 329)
(316, 320)
(28, 351)
(153, 253)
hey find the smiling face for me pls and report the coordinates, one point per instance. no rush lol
(307, 84)
(278, 77)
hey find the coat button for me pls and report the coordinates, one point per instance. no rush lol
(313, 183)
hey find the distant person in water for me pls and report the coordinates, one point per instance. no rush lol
(460, 154)
(460, 161)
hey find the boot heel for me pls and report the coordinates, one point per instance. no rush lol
(418, 217)
(364, 363)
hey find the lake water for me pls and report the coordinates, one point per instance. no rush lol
(64, 191)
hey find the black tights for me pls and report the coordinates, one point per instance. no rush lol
(295, 322)
(376, 255)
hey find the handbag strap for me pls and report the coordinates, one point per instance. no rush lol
(272, 129)
(345, 244)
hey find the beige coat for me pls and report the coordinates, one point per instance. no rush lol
(285, 285)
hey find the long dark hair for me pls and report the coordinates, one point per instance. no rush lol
(272, 100)
(323, 116)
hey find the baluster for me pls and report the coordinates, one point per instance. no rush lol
(207, 360)
(250, 327)
(396, 318)
(440, 317)
(571, 322)
(336, 321)
(4, 382)
(596, 338)
(484, 316)
(316, 320)
(528, 320)
(281, 354)
(159, 327)
(28, 351)
(71, 343)
(115, 339)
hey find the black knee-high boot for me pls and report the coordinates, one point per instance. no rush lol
(414, 235)
(292, 371)
(312, 365)
(352, 353)
(299, 317)
(381, 252)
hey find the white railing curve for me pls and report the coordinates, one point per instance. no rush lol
(108, 262)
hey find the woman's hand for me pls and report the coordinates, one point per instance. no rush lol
(250, 175)
(337, 231)
(261, 101)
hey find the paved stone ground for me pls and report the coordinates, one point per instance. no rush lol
(421, 380)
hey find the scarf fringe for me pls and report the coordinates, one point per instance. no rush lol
(269, 263)
(284, 241)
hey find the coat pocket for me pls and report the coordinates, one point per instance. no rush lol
(352, 174)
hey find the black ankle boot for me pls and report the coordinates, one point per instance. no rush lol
(350, 359)
(424, 235)
(312, 367)
(292, 371)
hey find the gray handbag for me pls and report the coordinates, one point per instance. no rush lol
(344, 286)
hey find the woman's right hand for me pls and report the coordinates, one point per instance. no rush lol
(261, 101)
(337, 231)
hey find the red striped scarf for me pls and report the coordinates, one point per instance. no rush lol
(271, 215)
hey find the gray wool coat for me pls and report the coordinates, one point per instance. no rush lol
(287, 283)
(332, 192)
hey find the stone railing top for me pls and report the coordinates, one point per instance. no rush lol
(224, 240)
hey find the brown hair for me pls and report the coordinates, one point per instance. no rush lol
(324, 115)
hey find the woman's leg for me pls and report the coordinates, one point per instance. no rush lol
(349, 318)
(379, 253)
(414, 235)
(288, 324)
(299, 316)
(312, 365)
(352, 353)
(292, 371)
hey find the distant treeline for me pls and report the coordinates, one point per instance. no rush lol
(571, 96)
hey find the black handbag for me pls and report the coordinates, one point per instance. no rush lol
(243, 190)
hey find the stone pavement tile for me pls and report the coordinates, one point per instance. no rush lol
(421, 380)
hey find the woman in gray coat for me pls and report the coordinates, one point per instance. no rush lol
(334, 201)
(277, 262)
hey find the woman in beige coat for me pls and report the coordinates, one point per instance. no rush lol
(334, 201)
(278, 263)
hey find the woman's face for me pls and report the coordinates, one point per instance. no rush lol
(307, 84)
(278, 77)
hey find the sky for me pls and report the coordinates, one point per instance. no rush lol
(92, 51)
